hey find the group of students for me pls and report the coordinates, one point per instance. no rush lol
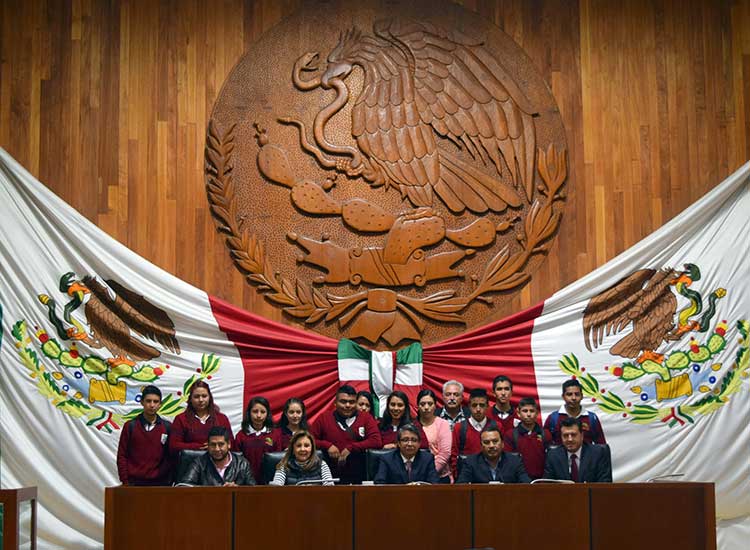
(452, 444)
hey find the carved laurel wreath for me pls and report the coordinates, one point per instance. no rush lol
(504, 272)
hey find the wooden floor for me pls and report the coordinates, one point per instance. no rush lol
(107, 102)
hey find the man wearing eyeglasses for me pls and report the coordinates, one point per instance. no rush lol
(406, 464)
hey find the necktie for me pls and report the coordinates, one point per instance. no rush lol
(407, 465)
(573, 468)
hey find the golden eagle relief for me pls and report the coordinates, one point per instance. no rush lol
(118, 319)
(646, 302)
(411, 170)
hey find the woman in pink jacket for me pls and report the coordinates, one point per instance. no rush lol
(438, 433)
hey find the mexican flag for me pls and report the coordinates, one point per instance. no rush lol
(657, 337)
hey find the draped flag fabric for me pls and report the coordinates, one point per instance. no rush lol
(381, 372)
(657, 337)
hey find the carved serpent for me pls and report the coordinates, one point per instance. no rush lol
(357, 164)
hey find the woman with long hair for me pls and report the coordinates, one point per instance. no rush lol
(293, 419)
(301, 463)
(397, 414)
(438, 432)
(257, 436)
(190, 428)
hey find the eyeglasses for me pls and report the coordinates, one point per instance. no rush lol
(409, 440)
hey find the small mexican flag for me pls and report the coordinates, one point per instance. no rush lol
(381, 372)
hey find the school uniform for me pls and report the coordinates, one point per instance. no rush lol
(506, 420)
(590, 424)
(357, 434)
(472, 442)
(143, 452)
(254, 444)
(189, 432)
(531, 445)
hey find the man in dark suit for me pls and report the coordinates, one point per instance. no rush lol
(575, 460)
(492, 464)
(406, 464)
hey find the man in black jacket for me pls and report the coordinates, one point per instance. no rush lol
(407, 464)
(575, 460)
(219, 467)
(492, 464)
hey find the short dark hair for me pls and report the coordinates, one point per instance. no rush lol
(219, 431)
(346, 389)
(478, 392)
(570, 384)
(528, 401)
(491, 427)
(501, 378)
(569, 422)
(150, 390)
(411, 428)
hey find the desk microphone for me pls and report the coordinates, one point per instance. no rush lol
(665, 477)
(316, 481)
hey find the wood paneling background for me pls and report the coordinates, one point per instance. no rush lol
(107, 102)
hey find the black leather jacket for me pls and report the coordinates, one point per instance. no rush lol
(203, 472)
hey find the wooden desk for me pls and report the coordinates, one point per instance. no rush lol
(582, 517)
(12, 500)
(668, 516)
(168, 517)
(293, 517)
(422, 516)
(522, 517)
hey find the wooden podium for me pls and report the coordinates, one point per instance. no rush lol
(668, 516)
(14, 517)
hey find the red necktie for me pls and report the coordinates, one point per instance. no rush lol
(573, 468)
(407, 464)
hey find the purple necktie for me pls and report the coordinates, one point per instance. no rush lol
(407, 465)
(573, 468)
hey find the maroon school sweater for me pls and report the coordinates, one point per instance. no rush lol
(253, 447)
(327, 432)
(531, 446)
(189, 433)
(506, 424)
(473, 444)
(143, 457)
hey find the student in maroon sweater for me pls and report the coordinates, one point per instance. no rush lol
(398, 414)
(293, 419)
(143, 453)
(257, 436)
(466, 440)
(529, 438)
(190, 428)
(345, 434)
(503, 412)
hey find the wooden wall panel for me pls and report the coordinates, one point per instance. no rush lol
(106, 101)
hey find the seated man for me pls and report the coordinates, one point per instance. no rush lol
(491, 463)
(218, 466)
(345, 434)
(405, 464)
(576, 460)
(466, 433)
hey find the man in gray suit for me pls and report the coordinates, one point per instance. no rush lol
(575, 460)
